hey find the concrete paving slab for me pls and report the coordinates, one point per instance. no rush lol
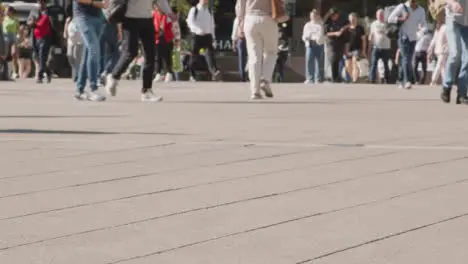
(319, 174)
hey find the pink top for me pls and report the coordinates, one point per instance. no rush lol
(439, 43)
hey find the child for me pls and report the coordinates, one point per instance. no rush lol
(24, 52)
(10, 30)
(75, 47)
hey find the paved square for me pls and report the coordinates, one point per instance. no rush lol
(352, 174)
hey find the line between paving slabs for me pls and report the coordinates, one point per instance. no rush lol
(383, 238)
(155, 173)
(207, 183)
(90, 153)
(297, 219)
(264, 197)
(114, 163)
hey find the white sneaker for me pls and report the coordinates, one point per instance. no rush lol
(111, 85)
(265, 87)
(400, 86)
(408, 85)
(168, 77)
(96, 97)
(308, 82)
(192, 79)
(149, 97)
(158, 78)
(256, 96)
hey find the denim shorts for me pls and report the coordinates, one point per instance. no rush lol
(10, 38)
(354, 54)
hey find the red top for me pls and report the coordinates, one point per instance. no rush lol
(161, 20)
(42, 28)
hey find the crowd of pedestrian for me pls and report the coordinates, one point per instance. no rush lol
(397, 47)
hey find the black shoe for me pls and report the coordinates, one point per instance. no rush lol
(39, 81)
(445, 96)
(462, 100)
(49, 79)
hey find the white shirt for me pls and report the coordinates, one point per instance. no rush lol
(378, 31)
(424, 40)
(313, 31)
(439, 43)
(235, 28)
(204, 23)
(416, 17)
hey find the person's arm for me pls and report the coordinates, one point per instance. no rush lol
(305, 34)
(31, 22)
(431, 48)
(213, 27)
(119, 32)
(234, 36)
(191, 19)
(65, 28)
(164, 7)
(423, 18)
(397, 15)
(241, 16)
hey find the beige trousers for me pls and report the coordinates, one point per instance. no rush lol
(261, 34)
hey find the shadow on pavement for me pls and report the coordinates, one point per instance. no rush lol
(75, 132)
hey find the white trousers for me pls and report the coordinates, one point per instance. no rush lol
(261, 34)
(439, 68)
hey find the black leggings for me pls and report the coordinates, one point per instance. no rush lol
(420, 57)
(164, 55)
(135, 29)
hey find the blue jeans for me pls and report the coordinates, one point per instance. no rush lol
(406, 50)
(457, 37)
(41, 51)
(109, 48)
(242, 58)
(90, 29)
(379, 54)
(315, 63)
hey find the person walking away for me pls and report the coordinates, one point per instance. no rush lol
(420, 54)
(164, 40)
(109, 38)
(24, 52)
(39, 21)
(75, 47)
(457, 39)
(239, 46)
(202, 25)
(439, 48)
(410, 15)
(313, 37)
(380, 43)
(89, 19)
(138, 26)
(356, 47)
(10, 31)
(261, 34)
(334, 28)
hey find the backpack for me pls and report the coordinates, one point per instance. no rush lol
(394, 28)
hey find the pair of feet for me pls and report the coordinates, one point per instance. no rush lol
(446, 97)
(265, 88)
(407, 86)
(111, 89)
(167, 78)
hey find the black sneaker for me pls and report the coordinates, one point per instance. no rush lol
(49, 78)
(445, 95)
(462, 100)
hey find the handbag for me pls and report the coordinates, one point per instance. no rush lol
(115, 12)
(278, 11)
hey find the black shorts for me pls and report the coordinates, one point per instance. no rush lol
(24, 53)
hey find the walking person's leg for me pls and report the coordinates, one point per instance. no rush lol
(319, 67)
(385, 57)
(158, 50)
(146, 35)
(463, 76)
(417, 60)
(255, 53)
(210, 57)
(270, 35)
(309, 63)
(128, 53)
(195, 55)
(405, 62)
(241, 58)
(424, 67)
(168, 61)
(375, 56)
